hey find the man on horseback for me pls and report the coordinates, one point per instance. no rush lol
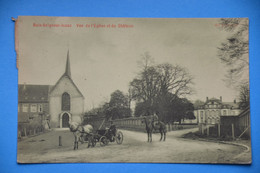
(155, 119)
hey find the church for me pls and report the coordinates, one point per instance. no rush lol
(59, 103)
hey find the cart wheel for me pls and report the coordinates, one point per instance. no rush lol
(119, 137)
(103, 141)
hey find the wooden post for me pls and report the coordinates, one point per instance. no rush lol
(60, 143)
(25, 133)
(19, 134)
(233, 131)
(207, 130)
(218, 129)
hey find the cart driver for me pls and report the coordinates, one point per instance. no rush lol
(112, 125)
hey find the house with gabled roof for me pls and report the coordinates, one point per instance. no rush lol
(60, 103)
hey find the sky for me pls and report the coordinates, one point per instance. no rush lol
(104, 59)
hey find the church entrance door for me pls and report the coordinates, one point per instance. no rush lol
(65, 120)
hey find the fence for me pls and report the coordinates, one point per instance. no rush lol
(244, 122)
(131, 123)
(28, 129)
(32, 127)
(229, 126)
(137, 124)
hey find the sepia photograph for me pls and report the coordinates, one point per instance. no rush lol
(133, 90)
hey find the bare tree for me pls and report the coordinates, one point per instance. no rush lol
(174, 79)
(244, 97)
(233, 52)
(159, 80)
(146, 61)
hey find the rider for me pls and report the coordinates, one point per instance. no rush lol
(112, 126)
(155, 119)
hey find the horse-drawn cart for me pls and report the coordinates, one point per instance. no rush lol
(105, 136)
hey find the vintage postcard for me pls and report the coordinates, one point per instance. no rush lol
(137, 90)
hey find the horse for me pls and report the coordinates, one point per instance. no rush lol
(151, 125)
(79, 131)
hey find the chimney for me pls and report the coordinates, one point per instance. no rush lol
(220, 98)
(207, 98)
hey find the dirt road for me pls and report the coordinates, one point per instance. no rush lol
(44, 148)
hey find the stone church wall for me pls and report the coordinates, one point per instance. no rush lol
(76, 102)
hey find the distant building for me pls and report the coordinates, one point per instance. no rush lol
(210, 111)
(60, 103)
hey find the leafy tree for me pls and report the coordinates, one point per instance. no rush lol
(169, 108)
(144, 109)
(182, 107)
(198, 103)
(190, 115)
(118, 106)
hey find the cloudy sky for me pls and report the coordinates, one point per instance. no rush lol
(105, 59)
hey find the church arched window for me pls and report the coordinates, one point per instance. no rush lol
(65, 105)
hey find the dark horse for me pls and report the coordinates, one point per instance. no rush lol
(151, 125)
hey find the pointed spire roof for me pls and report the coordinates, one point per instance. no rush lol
(67, 70)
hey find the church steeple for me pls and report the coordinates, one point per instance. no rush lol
(67, 70)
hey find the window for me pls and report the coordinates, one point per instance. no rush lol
(40, 108)
(224, 112)
(65, 106)
(33, 108)
(25, 107)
